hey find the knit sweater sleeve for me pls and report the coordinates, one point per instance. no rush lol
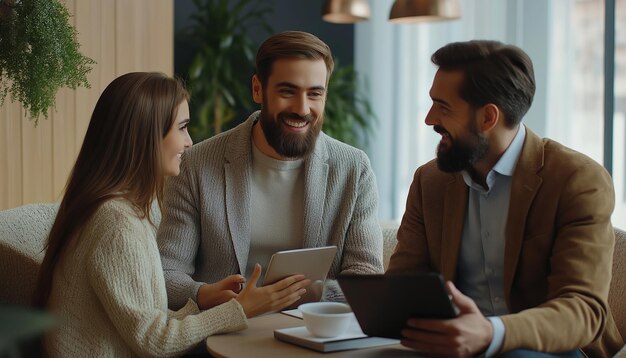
(124, 275)
(363, 245)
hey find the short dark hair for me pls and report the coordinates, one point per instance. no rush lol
(291, 44)
(494, 73)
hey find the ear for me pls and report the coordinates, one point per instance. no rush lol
(489, 118)
(257, 90)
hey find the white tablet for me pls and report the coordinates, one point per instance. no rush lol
(314, 263)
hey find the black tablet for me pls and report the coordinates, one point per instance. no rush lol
(383, 303)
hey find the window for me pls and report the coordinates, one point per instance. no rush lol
(564, 38)
(576, 85)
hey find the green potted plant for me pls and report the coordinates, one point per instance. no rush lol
(222, 68)
(38, 54)
(348, 110)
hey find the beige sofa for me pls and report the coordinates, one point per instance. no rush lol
(23, 232)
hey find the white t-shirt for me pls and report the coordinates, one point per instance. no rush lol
(277, 212)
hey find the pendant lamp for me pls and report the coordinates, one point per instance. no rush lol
(345, 11)
(407, 11)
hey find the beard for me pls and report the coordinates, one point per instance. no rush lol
(462, 153)
(286, 144)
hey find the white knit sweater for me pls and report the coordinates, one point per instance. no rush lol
(109, 295)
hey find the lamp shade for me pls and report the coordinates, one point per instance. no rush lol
(406, 11)
(345, 11)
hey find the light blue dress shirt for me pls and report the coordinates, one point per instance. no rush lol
(480, 267)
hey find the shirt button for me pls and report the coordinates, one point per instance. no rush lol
(497, 299)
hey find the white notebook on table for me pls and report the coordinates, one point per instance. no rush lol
(353, 338)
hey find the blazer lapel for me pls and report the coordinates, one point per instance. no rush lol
(524, 187)
(455, 205)
(237, 172)
(315, 178)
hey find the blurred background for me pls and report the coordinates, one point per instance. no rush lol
(377, 99)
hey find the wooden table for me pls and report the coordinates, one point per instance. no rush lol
(258, 341)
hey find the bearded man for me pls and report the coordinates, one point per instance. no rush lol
(519, 226)
(275, 182)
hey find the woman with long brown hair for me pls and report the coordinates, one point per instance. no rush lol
(102, 273)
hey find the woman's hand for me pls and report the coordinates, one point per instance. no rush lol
(214, 294)
(259, 300)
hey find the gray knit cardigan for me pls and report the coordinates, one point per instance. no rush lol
(204, 235)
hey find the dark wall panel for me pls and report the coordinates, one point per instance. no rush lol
(303, 15)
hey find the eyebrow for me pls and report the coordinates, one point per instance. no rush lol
(293, 86)
(441, 101)
(184, 121)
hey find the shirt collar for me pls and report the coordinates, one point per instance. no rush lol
(508, 160)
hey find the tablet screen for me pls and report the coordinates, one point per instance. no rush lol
(383, 303)
(314, 263)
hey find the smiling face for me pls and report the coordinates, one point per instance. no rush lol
(461, 143)
(292, 107)
(176, 141)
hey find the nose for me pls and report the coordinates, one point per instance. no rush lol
(430, 118)
(188, 140)
(301, 105)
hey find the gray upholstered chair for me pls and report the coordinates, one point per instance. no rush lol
(390, 232)
(617, 293)
(23, 233)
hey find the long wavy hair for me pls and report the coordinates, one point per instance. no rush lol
(120, 158)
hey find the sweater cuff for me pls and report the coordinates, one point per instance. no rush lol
(498, 337)
(181, 288)
(332, 292)
(237, 317)
(194, 291)
(190, 308)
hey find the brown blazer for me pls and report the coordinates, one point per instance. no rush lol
(558, 250)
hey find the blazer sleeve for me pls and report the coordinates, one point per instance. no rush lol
(576, 309)
(363, 245)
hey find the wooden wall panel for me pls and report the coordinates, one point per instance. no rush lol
(88, 25)
(121, 36)
(64, 148)
(37, 159)
(10, 154)
(107, 65)
(158, 46)
(129, 47)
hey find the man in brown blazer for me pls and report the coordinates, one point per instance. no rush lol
(519, 226)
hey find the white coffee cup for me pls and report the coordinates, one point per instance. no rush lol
(326, 319)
